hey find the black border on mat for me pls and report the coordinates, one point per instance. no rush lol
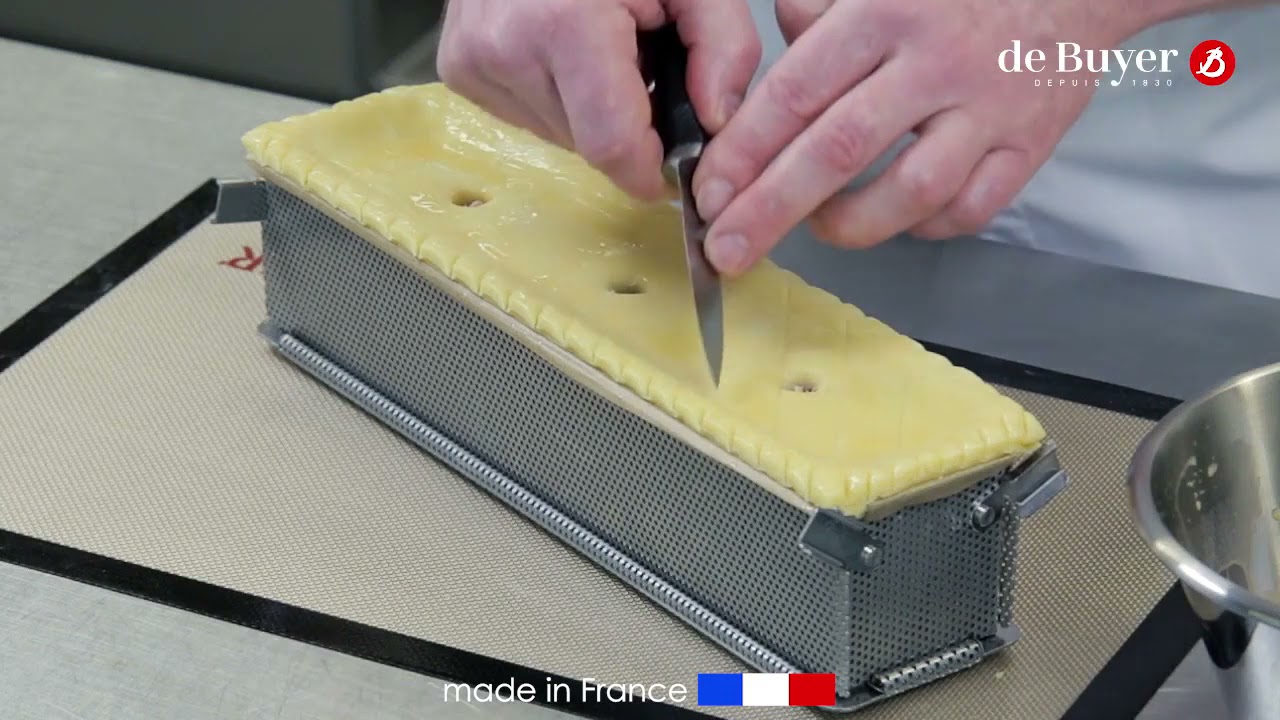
(327, 631)
(1120, 690)
(89, 286)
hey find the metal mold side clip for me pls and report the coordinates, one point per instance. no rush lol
(840, 540)
(1034, 482)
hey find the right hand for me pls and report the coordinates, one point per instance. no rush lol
(568, 71)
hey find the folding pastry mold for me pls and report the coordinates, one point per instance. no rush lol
(887, 603)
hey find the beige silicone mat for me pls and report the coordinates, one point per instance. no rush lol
(158, 428)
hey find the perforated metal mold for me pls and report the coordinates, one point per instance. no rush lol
(695, 536)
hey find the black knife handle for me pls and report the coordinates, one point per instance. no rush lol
(664, 62)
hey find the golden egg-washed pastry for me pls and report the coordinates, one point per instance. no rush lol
(814, 394)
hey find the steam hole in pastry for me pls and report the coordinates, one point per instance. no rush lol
(626, 287)
(801, 386)
(469, 199)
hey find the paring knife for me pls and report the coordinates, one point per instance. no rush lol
(664, 63)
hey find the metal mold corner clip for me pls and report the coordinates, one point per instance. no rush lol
(240, 201)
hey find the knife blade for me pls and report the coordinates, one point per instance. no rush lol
(664, 64)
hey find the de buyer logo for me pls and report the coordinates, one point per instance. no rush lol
(1211, 63)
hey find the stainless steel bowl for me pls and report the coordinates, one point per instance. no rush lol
(1205, 489)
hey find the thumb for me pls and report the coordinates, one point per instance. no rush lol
(796, 16)
(724, 52)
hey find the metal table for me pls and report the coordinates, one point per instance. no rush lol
(97, 149)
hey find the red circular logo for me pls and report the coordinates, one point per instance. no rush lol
(1212, 62)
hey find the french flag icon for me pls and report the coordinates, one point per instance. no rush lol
(766, 689)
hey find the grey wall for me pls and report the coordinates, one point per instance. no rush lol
(322, 49)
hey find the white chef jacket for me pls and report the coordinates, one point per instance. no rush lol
(1182, 181)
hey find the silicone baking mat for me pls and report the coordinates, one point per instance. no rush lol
(157, 428)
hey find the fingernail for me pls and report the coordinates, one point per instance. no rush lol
(713, 197)
(728, 253)
(729, 106)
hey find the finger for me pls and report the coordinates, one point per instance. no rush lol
(607, 105)
(724, 52)
(502, 104)
(833, 56)
(938, 227)
(535, 89)
(648, 14)
(551, 111)
(796, 16)
(846, 139)
(917, 185)
(994, 183)
(472, 65)
(531, 121)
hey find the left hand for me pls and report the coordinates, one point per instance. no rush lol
(861, 74)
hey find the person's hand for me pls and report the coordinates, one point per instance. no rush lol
(860, 75)
(568, 71)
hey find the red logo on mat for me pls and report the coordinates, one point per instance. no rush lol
(1212, 62)
(248, 262)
